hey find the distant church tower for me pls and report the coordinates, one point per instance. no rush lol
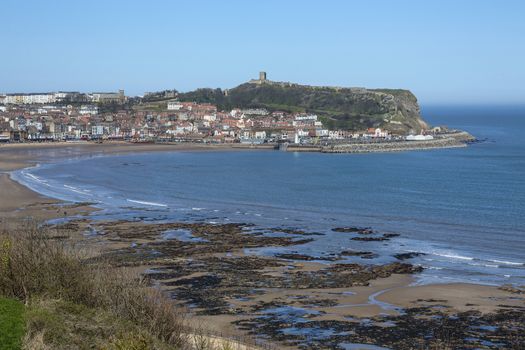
(262, 76)
(121, 96)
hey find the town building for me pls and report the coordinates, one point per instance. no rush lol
(108, 97)
(175, 106)
(31, 98)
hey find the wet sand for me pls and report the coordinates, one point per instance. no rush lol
(459, 297)
(387, 296)
(18, 201)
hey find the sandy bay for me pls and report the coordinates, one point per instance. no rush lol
(382, 296)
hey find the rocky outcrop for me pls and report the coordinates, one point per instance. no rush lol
(404, 114)
(359, 230)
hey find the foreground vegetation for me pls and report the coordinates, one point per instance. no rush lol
(11, 324)
(70, 303)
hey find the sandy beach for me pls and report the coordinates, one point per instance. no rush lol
(383, 296)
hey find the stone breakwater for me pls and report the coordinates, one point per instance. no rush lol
(394, 146)
(450, 140)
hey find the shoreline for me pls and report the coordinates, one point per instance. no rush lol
(445, 141)
(22, 155)
(382, 296)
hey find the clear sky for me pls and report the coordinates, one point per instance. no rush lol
(446, 52)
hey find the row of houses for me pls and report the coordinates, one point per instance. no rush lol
(61, 96)
(177, 121)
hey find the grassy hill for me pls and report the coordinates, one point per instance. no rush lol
(339, 108)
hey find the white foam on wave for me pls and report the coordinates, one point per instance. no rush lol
(503, 262)
(490, 263)
(454, 256)
(197, 209)
(484, 265)
(147, 203)
(35, 178)
(77, 190)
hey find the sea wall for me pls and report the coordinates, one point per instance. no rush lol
(448, 140)
(399, 146)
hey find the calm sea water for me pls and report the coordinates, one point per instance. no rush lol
(464, 208)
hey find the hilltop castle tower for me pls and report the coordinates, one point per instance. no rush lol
(261, 80)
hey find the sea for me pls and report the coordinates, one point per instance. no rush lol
(463, 208)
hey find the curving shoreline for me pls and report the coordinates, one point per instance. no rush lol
(395, 289)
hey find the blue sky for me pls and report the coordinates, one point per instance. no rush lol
(446, 52)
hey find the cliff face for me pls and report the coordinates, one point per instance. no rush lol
(403, 111)
(339, 108)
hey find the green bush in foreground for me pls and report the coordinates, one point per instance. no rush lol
(65, 295)
(59, 324)
(11, 324)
